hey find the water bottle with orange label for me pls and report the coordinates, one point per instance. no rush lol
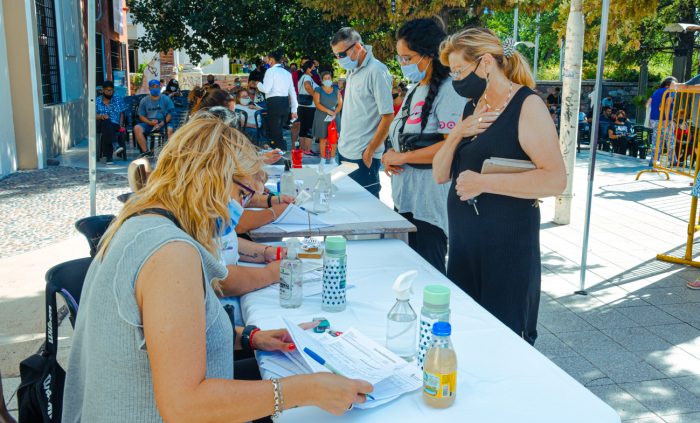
(440, 369)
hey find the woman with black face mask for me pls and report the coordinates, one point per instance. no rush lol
(494, 219)
(428, 113)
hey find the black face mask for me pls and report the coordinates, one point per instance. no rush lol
(473, 86)
(394, 95)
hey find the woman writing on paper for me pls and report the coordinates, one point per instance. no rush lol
(150, 327)
(494, 242)
(429, 112)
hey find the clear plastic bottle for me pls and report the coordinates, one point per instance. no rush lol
(291, 277)
(288, 185)
(401, 320)
(436, 308)
(334, 268)
(440, 371)
(322, 191)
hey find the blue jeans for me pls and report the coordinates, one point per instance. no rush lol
(368, 177)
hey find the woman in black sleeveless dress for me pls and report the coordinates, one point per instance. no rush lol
(494, 221)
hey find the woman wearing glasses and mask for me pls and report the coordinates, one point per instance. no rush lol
(150, 325)
(429, 112)
(494, 219)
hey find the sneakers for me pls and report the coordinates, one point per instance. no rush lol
(118, 150)
(694, 285)
(311, 153)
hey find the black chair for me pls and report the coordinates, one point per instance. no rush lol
(260, 117)
(93, 228)
(67, 280)
(179, 117)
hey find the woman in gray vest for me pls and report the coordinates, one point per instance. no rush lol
(429, 112)
(152, 342)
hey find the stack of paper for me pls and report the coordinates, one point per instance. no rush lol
(354, 356)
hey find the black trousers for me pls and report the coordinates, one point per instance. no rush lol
(109, 133)
(429, 241)
(277, 116)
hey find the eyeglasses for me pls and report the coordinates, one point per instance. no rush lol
(343, 54)
(246, 197)
(404, 60)
(458, 72)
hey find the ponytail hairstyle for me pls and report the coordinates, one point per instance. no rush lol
(476, 42)
(424, 37)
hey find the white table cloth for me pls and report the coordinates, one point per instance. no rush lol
(353, 211)
(500, 379)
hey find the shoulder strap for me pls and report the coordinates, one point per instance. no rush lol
(159, 211)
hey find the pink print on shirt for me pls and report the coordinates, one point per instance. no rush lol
(414, 117)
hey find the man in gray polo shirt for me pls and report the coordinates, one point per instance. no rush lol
(367, 107)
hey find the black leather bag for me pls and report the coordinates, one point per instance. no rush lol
(411, 142)
(305, 100)
(40, 393)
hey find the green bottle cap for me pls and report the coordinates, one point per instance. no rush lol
(336, 244)
(436, 295)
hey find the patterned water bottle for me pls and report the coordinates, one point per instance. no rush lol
(334, 265)
(436, 308)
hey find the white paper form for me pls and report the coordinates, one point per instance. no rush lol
(294, 218)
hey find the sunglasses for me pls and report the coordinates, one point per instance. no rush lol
(343, 54)
(247, 196)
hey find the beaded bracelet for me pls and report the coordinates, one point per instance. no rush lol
(279, 399)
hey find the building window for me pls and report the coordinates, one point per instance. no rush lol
(133, 60)
(99, 60)
(114, 49)
(48, 51)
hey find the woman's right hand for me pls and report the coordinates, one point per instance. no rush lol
(336, 394)
(476, 123)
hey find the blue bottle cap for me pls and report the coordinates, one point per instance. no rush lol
(442, 329)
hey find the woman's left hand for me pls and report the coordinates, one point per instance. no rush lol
(272, 255)
(278, 339)
(468, 185)
(393, 158)
(273, 340)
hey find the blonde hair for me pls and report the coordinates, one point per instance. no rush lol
(473, 43)
(194, 179)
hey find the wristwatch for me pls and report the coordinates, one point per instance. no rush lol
(245, 337)
(269, 200)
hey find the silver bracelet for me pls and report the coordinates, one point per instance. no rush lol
(279, 399)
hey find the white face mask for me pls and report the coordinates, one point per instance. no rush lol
(245, 101)
(327, 83)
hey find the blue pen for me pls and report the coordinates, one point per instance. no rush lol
(308, 211)
(317, 358)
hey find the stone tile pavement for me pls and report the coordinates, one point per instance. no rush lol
(634, 340)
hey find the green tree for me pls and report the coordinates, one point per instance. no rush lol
(240, 28)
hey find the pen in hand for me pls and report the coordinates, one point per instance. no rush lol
(317, 358)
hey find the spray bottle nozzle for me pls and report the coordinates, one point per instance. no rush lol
(403, 285)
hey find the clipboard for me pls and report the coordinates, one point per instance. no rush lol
(501, 165)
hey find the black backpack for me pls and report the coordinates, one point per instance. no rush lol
(40, 393)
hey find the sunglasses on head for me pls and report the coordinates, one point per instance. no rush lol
(343, 54)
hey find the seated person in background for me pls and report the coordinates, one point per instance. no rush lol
(195, 97)
(257, 96)
(110, 120)
(173, 88)
(619, 133)
(237, 83)
(150, 323)
(245, 104)
(155, 113)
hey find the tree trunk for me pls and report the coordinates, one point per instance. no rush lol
(643, 83)
(571, 102)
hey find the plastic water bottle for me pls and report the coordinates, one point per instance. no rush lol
(440, 371)
(291, 278)
(288, 185)
(322, 191)
(334, 271)
(401, 320)
(436, 308)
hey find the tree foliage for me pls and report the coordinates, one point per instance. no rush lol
(239, 28)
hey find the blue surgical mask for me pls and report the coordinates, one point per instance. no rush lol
(235, 212)
(252, 68)
(412, 72)
(327, 83)
(347, 63)
(155, 92)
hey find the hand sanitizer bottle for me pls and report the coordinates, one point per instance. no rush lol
(322, 191)
(291, 278)
(401, 321)
(288, 185)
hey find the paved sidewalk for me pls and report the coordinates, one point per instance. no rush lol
(634, 340)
